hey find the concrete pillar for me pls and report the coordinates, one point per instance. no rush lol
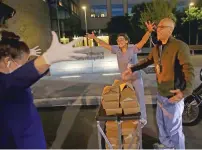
(125, 6)
(109, 9)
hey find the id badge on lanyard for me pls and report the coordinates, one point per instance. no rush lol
(159, 65)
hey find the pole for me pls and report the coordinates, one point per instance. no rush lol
(58, 21)
(189, 25)
(86, 25)
(85, 21)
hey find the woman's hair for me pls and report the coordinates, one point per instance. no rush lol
(125, 36)
(11, 46)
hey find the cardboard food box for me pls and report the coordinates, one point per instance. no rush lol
(128, 127)
(116, 111)
(112, 133)
(113, 140)
(117, 83)
(133, 146)
(128, 99)
(129, 103)
(127, 139)
(127, 92)
(114, 146)
(112, 125)
(129, 124)
(127, 131)
(110, 104)
(126, 85)
(110, 93)
(130, 111)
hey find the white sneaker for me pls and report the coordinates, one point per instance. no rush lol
(143, 122)
(160, 146)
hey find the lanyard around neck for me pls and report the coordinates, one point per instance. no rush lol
(160, 50)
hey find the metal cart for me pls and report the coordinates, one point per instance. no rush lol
(101, 118)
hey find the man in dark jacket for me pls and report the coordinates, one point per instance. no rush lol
(175, 75)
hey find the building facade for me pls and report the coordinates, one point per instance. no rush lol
(64, 16)
(99, 12)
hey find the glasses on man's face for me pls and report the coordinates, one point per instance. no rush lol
(162, 27)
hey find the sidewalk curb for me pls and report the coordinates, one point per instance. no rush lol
(79, 100)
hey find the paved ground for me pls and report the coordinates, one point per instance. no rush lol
(85, 89)
(75, 128)
(92, 84)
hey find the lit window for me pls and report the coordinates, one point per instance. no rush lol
(74, 9)
(99, 10)
(102, 15)
(60, 3)
(72, 6)
(92, 15)
(117, 10)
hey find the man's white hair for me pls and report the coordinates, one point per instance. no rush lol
(170, 21)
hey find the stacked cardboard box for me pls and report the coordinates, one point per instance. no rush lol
(110, 100)
(112, 134)
(128, 129)
(128, 99)
(120, 97)
(117, 83)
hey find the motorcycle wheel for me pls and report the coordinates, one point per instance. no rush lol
(191, 112)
